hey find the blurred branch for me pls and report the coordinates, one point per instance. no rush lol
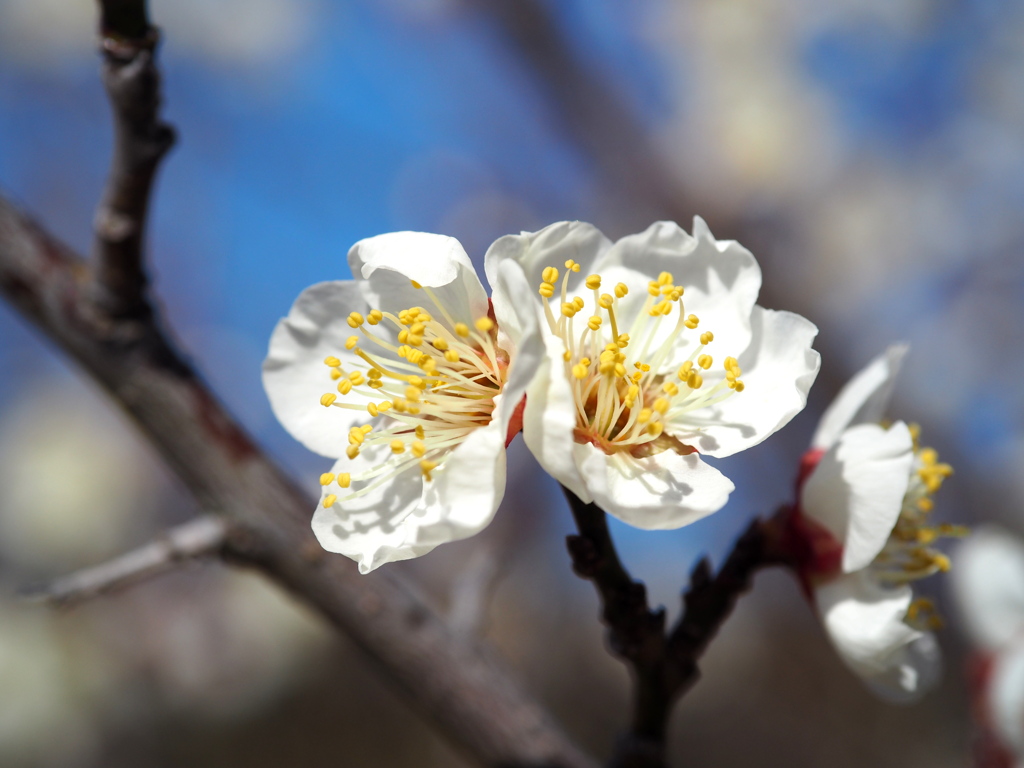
(101, 317)
(663, 666)
(141, 139)
(472, 590)
(202, 537)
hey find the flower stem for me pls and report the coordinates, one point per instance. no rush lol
(663, 664)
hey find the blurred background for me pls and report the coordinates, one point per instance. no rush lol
(870, 153)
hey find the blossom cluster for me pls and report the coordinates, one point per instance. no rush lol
(627, 366)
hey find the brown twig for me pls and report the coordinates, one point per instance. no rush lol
(141, 139)
(663, 665)
(203, 537)
(454, 682)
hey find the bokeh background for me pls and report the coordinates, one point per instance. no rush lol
(870, 152)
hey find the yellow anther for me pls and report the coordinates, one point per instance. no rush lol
(333, 362)
(925, 504)
(675, 294)
(484, 324)
(352, 451)
(413, 393)
(631, 394)
(707, 337)
(375, 384)
(549, 275)
(684, 370)
(926, 535)
(620, 370)
(336, 373)
(655, 428)
(417, 329)
(355, 319)
(356, 436)
(578, 303)
(661, 405)
(570, 264)
(665, 278)
(941, 562)
(366, 429)
(568, 309)
(547, 290)
(566, 356)
(384, 407)
(740, 386)
(372, 409)
(440, 344)
(644, 416)
(357, 378)
(329, 500)
(654, 288)
(374, 373)
(704, 361)
(351, 342)
(692, 321)
(426, 466)
(929, 456)
(621, 289)
(416, 381)
(694, 380)
(593, 282)
(403, 336)
(326, 478)
(328, 399)
(670, 388)
(415, 284)
(605, 301)
(419, 431)
(580, 370)
(374, 317)
(344, 479)
(412, 409)
(345, 386)
(397, 446)
(400, 404)
(418, 449)
(594, 322)
(451, 356)
(414, 340)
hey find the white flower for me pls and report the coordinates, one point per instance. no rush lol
(426, 381)
(641, 381)
(862, 520)
(989, 586)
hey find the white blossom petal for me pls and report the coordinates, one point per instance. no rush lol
(388, 263)
(864, 399)
(514, 308)
(857, 489)
(779, 368)
(988, 579)
(380, 526)
(549, 420)
(294, 374)
(549, 247)
(865, 622)
(1006, 698)
(659, 492)
(721, 278)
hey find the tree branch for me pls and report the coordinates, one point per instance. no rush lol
(663, 666)
(141, 139)
(202, 537)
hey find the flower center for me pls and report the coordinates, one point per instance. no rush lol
(436, 385)
(623, 397)
(909, 553)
